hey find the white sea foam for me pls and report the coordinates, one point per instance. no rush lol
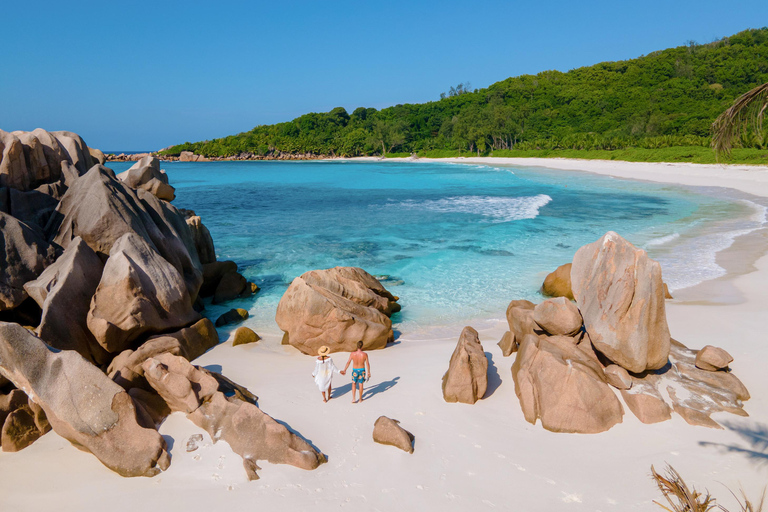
(693, 259)
(661, 240)
(496, 209)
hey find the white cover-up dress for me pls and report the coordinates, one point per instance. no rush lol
(324, 372)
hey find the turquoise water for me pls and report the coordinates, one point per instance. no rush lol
(457, 242)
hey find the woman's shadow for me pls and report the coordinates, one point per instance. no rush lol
(368, 392)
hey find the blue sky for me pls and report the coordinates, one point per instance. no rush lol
(144, 75)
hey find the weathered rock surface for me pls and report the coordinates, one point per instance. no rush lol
(559, 384)
(244, 336)
(63, 291)
(202, 237)
(558, 317)
(190, 343)
(507, 344)
(139, 292)
(232, 316)
(146, 174)
(75, 150)
(25, 256)
(100, 209)
(620, 294)
(34, 207)
(336, 307)
(713, 359)
(13, 166)
(19, 430)
(618, 377)
(558, 283)
(250, 432)
(231, 286)
(212, 274)
(521, 323)
(467, 377)
(82, 404)
(694, 394)
(388, 431)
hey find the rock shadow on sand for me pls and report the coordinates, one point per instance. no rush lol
(494, 379)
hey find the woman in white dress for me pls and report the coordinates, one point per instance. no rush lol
(323, 373)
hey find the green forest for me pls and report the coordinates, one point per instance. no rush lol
(665, 99)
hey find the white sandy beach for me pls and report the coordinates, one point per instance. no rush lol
(481, 457)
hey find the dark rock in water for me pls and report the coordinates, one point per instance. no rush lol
(139, 292)
(232, 316)
(467, 377)
(231, 286)
(212, 274)
(250, 432)
(25, 256)
(336, 307)
(82, 404)
(64, 291)
(388, 431)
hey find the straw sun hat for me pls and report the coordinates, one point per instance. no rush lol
(324, 351)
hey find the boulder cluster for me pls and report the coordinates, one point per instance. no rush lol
(100, 297)
(615, 335)
(336, 307)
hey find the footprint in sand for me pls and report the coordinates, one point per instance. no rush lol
(501, 456)
(521, 468)
(220, 465)
(490, 504)
(231, 487)
(215, 477)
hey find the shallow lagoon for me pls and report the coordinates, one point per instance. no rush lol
(458, 242)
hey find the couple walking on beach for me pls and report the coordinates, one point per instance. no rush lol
(324, 368)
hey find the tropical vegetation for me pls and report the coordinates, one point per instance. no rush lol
(666, 99)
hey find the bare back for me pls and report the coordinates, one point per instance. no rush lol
(358, 358)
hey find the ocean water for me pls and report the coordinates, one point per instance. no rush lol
(454, 242)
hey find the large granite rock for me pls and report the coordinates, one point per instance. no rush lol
(63, 291)
(82, 404)
(35, 207)
(558, 283)
(558, 383)
(43, 155)
(558, 317)
(467, 377)
(75, 150)
(146, 174)
(25, 256)
(231, 286)
(244, 336)
(250, 432)
(336, 307)
(620, 294)
(100, 209)
(388, 431)
(139, 292)
(213, 273)
(190, 343)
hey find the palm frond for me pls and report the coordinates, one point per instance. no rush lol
(678, 495)
(746, 113)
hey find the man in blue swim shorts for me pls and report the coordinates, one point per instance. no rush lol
(361, 370)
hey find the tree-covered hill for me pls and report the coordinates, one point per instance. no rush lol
(667, 98)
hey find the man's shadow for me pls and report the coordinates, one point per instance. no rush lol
(368, 392)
